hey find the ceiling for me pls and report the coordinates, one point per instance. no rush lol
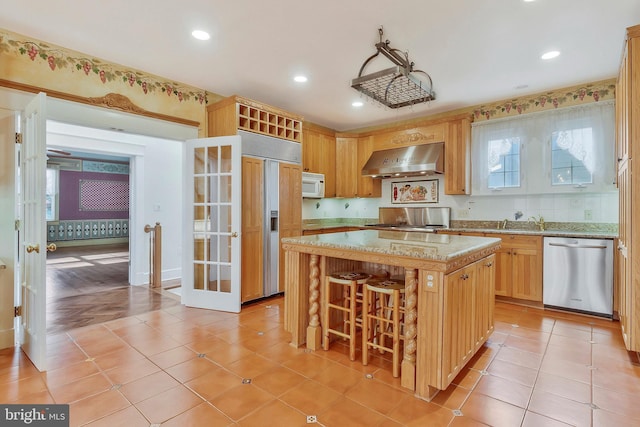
(476, 51)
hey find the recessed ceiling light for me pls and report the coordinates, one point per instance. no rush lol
(521, 87)
(300, 79)
(550, 55)
(528, 1)
(357, 104)
(200, 35)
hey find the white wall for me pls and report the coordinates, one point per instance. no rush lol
(156, 179)
(572, 207)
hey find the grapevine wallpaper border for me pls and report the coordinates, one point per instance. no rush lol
(57, 58)
(585, 94)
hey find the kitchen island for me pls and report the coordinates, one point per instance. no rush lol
(449, 295)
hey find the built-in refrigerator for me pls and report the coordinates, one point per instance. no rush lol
(273, 152)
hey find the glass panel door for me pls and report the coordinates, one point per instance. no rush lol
(212, 187)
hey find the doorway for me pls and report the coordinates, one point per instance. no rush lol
(152, 170)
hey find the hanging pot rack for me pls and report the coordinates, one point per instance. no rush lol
(397, 86)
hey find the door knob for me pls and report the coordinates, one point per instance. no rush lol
(32, 248)
(51, 247)
(234, 234)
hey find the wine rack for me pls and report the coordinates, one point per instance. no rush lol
(254, 119)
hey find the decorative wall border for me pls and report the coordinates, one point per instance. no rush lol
(576, 95)
(59, 58)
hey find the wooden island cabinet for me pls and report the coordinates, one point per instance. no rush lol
(449, 298)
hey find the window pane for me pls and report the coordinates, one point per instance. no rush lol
(504, 162)
(572, 154)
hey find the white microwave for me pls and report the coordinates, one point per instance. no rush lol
(312, 185)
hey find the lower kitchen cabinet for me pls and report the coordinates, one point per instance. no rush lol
(519, 267)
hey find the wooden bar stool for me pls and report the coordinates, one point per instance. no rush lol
(341, 295)
(382, 318)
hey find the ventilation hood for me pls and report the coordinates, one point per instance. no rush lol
(415, 160)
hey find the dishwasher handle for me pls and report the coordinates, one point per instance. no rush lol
(575, 245)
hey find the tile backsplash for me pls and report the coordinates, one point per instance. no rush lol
(570, 207)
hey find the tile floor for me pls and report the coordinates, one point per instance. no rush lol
(187, 367)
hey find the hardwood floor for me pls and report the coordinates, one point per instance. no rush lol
(89, 285)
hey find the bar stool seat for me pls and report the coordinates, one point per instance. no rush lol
(342, 296)
(382, 318)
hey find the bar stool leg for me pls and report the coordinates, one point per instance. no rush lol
(365, 325)
(396, 335)
(326, 297)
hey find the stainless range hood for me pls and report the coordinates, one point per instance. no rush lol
(416, 160)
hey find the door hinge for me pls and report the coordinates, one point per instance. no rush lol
(18, 138)
(17, 311)
(17, 225)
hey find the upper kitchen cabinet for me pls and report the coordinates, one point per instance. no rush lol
(627, 131)
(367, 186)
(319, 154)
(351, 155)
(457, 157)
(347, 173)
(235, 113)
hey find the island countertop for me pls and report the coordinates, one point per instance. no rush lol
(425, 247)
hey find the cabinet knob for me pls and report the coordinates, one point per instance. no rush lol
(464, 276)
(489, 264)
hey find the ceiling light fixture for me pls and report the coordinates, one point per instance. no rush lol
(200, 35)
(398, 86)
(357, 104)
(300, 79)
(550, 55)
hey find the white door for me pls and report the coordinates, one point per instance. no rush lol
(211, 235)
(32, 328)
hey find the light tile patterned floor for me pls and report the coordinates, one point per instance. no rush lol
(188, 367)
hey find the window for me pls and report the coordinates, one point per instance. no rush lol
(556, 151)
(51, 195)
(572, 156)
(504, 162)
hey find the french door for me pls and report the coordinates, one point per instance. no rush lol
(31, 292)
(212, 223)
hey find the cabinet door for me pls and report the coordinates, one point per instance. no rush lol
(346, 165)
(310, 149)
(456, 154)
(484, 299)
(458, 334)
(527, 274)
(326, 153)
(367, 186)
(252, 233)
(503, 271)
(290, 206)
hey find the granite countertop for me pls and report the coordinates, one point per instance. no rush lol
(438, 247)
(552, 229)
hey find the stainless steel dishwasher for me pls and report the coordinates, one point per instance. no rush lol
(578, 275)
